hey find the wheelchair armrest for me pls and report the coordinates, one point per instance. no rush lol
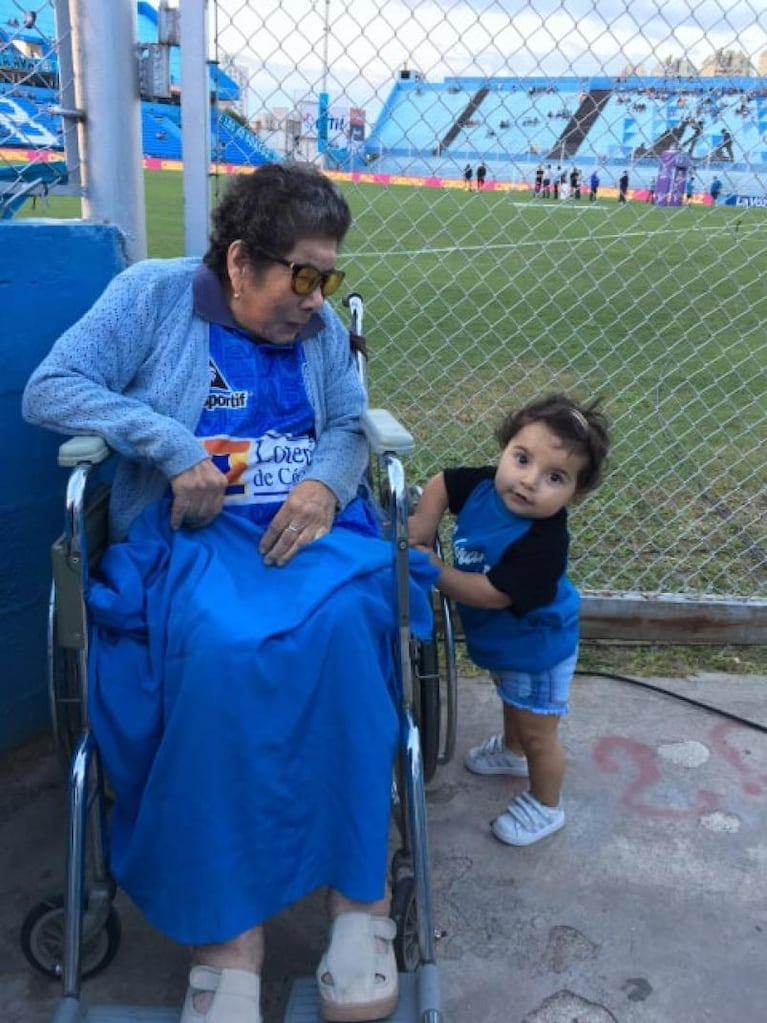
(83, 449)
(385, 434)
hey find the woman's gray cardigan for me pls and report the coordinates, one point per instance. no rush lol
(135, 371)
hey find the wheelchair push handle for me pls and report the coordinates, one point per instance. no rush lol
(353, 302)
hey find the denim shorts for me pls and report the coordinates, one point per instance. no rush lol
(542, 692)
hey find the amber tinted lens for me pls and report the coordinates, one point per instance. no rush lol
(332, 282)
(307, 279)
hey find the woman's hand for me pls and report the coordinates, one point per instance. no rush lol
(198, 495)
(306, 515)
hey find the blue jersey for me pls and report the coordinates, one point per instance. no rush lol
(525, 558)
(257, 423)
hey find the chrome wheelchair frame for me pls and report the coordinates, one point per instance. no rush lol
(75, 936)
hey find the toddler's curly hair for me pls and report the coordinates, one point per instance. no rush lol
(581, 428)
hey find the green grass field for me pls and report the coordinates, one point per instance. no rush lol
(478, 301)
(486, 300)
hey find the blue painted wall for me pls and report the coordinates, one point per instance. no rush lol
(50, 273)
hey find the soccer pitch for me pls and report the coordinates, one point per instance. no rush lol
(476, 302)
(481, 301)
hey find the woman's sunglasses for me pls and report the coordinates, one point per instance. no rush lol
(305, 278)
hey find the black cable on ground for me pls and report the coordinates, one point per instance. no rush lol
(677, 696)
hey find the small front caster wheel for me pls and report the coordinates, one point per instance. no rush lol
(404, 912)
(42, 940)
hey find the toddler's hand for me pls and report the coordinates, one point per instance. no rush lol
(417, 536)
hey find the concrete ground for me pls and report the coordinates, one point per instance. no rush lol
(649, 907)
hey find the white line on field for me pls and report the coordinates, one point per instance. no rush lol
(461, 250)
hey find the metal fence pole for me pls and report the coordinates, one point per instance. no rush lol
(67, 90)
(195, 124)
(113, 163)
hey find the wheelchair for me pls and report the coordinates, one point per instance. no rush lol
(76, 935)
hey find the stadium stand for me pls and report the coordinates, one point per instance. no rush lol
(28, 94)
(25, 118)
(432, 129)
(161, 130)
(17, 184)
(417, 117)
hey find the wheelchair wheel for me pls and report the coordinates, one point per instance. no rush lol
(404, 913)
(42, 940)
(427, 705)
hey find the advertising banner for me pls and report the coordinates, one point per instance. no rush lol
(328, 124)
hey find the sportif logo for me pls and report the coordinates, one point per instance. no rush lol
(221, 394)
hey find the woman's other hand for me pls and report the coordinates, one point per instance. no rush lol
(306, 515)
(198, 495)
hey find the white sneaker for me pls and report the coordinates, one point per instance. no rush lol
(525, 821)
(492, 757)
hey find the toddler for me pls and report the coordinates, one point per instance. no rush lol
(518, 608)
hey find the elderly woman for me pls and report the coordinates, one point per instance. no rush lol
(240, 673)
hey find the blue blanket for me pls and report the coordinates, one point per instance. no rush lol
(246, 718)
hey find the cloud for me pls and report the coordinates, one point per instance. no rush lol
(288, 54)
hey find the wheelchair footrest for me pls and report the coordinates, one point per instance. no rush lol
(73, 1011)
(303, 1007)
(304, 1002)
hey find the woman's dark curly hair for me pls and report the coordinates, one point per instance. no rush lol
(274, 208)
(580, 428)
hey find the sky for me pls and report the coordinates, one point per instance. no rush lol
(289, 55)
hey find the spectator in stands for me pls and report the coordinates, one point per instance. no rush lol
(249, 772)
(623, 187)
(697, 126)
(468, 174)
(725, 146)
(593, 186)
(715, 190)
(518, 609)
(481, 175)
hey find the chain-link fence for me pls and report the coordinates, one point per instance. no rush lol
(38, 146)
(529, 276)
(482, 297)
